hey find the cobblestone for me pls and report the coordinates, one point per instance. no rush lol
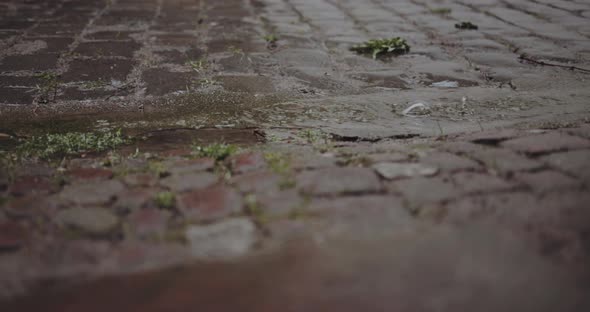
(94, 221)
(189, 181)
(545, 143)
(337, 181)
(574, 163)
(93, 193)
(226, 240)
(210, 203)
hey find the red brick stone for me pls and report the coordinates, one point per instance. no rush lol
(258, 182)
(505, 161)
(12, 236)
(132, 200)
(29, 185)
(492, 137)
(334, 181)
(92, 193)
(547, 181)
(280, 203)
(546, 143)
(191, 165)
(573, 162)
(247, 162)
(134, 256)
(581, 131)
(371, 215)
(420, 190)
(149, 222)
(509, 208)
(501, 160)
(24, 207)
(140, 179)
(210, 204)
(189, 181)
(90, 174)
(471, 182)
(449, 162)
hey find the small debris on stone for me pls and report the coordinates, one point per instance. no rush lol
(466, 25)
(392, 171)
(445, 84)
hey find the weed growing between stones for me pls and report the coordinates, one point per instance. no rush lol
(235, 50)
(72, 143)
(271, 38)
(217, 151)
(207, 82)
(254, 210)
(441, 11)
(281, 164)
(165, 200)
(466, 26)
(278, 162)
(48, 87)
(271, 41)
(314, 136)
(382, 47)
(198, 65)
(157, 168)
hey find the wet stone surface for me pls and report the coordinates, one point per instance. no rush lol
(337, 196)
(122, 215)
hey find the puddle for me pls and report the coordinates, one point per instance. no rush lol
(170, 139)
(193, 110)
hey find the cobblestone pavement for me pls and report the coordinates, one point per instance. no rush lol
(171, 62)
(346, 202)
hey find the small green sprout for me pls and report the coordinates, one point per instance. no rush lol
(281, 164)
(314, 136)
(254, 210)
(271, 38)
(217, 151)
(382, 47)
(48, 87)
(198, 65)
(466, 25)
(235, 50)
(157, 168)
(207, 82)
(165, 200)
(271, 41)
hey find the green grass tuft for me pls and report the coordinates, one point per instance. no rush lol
(382, 47)
(271, 38)
(217, 151)
(165, 200)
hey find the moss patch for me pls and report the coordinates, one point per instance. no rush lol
(72, 143)
(441, 11)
